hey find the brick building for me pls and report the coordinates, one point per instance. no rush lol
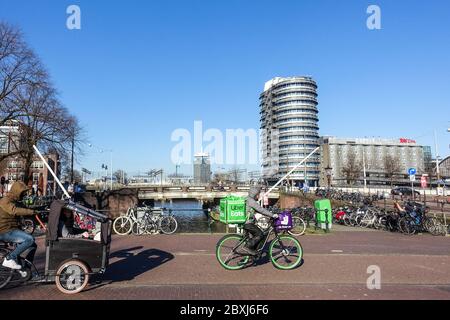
(13, 168)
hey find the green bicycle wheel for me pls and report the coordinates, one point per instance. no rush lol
(227, 255)
(286, 252)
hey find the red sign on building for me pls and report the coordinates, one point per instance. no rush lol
(404, 140)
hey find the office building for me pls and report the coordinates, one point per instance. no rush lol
(371, 154)
(202, 168)
(289, 123)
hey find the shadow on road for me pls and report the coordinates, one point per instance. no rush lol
(133, 263)
(266, 259)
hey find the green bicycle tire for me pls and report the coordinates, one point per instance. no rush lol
(237, 238)
(273, 258)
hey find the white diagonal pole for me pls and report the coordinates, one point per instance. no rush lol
(53, 174)
(290, 172)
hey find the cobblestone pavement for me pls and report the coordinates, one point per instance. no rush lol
(335, 266)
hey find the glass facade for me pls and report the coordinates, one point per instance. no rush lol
(289, 107)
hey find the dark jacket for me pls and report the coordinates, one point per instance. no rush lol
(9, 211)
(254, 207)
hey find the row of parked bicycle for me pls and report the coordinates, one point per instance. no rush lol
(353, 197)
(145, 220)
(411, 219)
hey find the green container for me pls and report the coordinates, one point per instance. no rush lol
(324, 214)
(233, 210)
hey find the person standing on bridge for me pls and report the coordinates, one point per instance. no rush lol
(253, 208)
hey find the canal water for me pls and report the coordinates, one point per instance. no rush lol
(191, 217)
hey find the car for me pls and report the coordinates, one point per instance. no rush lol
(405, 191)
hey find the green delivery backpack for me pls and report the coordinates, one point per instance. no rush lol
(233, 210)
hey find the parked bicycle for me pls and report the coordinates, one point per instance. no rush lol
(415, 220)
(145, 220)
(298, 223)
(155, 221)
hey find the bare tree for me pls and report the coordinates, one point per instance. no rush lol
(352, 168)
(29, 101)
(44, 123)
(19, 66)
(392, 167)
(235, 174)
(67, 175)
(120, 175)
(220, 177)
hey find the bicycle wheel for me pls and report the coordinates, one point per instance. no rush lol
(227, 252)
(406, 226)
(357, 221)
(433, 226)
(5, 273)
(138, 228)
(347, 220)
(122, 226)
(381, 224)
(364, 221)
(72, 277)
(168, 225)
(299, 227)
(286, 253)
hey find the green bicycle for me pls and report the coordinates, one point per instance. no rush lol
(285, 252)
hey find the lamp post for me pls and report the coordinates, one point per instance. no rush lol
(329, 173)
(111, 161)
(105, 167)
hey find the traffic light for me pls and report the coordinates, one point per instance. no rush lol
(2, 181)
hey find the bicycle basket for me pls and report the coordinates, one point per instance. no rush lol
(284, 222)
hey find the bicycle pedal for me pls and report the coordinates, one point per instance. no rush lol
(23, 274)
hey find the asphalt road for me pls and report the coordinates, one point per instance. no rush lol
(183, 267)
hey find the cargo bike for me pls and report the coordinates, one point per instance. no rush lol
(285, 252)
(68, 262)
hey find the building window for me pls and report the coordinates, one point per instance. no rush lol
(14, 165)
(3, 145)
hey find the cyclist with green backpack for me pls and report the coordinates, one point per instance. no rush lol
(253, 208)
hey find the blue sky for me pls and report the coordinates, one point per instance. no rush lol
(137, 70)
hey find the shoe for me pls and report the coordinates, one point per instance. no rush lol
(249, 251)
(11, 264)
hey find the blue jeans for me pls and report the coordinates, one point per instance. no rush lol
(24, 242)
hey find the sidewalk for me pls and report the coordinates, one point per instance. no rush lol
(335, 267)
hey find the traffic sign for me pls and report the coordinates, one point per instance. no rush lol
(412, 178)
(412, 171)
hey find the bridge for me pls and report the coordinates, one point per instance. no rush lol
(201, 193)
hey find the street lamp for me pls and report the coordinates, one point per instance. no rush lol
(329, 173)
(111, 161)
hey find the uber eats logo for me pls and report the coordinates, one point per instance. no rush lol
(237, 210)
(236, 214)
